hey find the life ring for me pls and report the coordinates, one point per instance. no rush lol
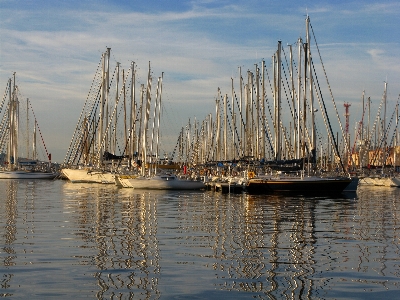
(201, 172)
(251, 174)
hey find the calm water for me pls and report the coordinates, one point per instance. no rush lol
(64, 240)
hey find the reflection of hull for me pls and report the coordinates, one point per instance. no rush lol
(381, 181)
(306, 185)
(162, 182)
(88, 175)
(26, 175)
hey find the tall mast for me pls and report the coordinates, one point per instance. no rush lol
(263, 126)
(278, 104)
(313, 133)
(104, 91)
(293, 102)
(132, 121)
(159, 117)
(305, 100)
(10, 112)
(300, 44)
(113, 137)
(233, 122)
(257, 112)
(278, 107)
(225, 125)
(241, 110)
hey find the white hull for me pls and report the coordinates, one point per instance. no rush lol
(26, 175)
(381, 181)
(88, 176)
(163, 182)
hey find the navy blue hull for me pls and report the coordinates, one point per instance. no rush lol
(314, 187)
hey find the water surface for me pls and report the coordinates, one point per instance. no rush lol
(65, 240)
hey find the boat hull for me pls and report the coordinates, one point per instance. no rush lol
(27, 175)
(88, 176)
(315, 186)
(381, 181)
(158, 183)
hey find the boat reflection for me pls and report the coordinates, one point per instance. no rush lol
(10, 214)
(122, 230)
(125, 243)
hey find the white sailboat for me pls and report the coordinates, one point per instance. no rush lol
(384, 176)
(13, 166)
(88, 158)
(158, 182)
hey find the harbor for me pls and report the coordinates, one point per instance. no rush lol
(200, 150)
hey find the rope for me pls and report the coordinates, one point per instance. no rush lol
(40, 132)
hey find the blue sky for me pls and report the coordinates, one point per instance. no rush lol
(55, 46)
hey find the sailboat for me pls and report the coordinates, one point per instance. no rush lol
(91, 156)
(13, 166)
(167, 181)
(151, 174)
(383, 171)
(303, 184)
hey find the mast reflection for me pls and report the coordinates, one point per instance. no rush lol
(270, 245)
(122, 228)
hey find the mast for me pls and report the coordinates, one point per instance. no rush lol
(278, 104)
(10, 113)
(153, 134)
(233, 122)
(27, 128)
(225, 125)
(241, 111)
(396, 136)
(140, 134)
(257, 112)
(293, 102)
(263, 110)
(305, 101)
(132, 117)
(104, 85)
(146, 120)
(313, 133)
(113, 146)
(300, 44)
(218, 129)
(384, 127)
(159, 117)
(13, 125)
(34, 154)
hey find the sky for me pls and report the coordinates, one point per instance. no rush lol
(55, 46)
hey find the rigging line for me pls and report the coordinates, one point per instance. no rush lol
(234, 128)
(239, 141)
(377, 116)
(112, 116)
(94, 122)
(376, 153)
(271, 150)
(80, 117)
(4, 97)
(40, 132)
(265, 123)
(288, 100)
(387, 152)
(326, 118)
(79, 138)
(360, 127)
(330, 90)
